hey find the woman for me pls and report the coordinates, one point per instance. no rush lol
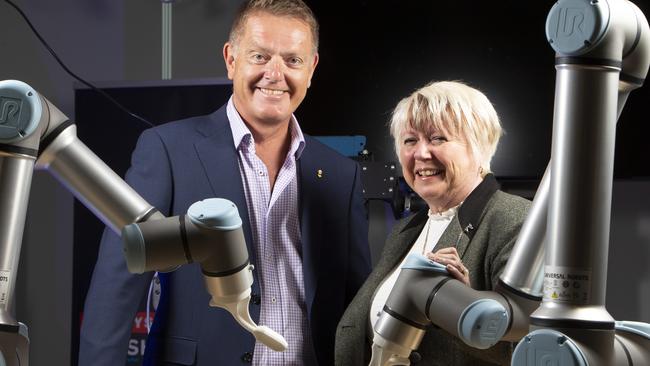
(445, 136)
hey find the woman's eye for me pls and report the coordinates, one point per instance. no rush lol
(437, 139)
(409, 141)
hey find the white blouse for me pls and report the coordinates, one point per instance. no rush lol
(425, 243)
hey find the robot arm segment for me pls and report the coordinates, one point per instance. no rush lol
(85, 175)
(35, 134)
(524, 270)
(210, 234)
(602, 54)
(425, 294)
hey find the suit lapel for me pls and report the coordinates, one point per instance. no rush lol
(397, 248)
(311, 245)
(470, 212)
(454, 237)
(219, 158)
(461, 241)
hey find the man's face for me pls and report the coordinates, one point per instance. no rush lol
(271, 68)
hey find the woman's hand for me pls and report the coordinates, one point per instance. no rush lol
(449, 257)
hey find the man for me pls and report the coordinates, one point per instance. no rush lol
(300, 204)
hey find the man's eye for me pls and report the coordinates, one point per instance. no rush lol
(257, 57)
(295, 61)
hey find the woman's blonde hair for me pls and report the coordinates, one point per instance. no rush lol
(454, 108)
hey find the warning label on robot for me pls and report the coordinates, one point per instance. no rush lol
(567, 285)
(4, 286)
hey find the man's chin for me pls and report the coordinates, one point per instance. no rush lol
(273, 117)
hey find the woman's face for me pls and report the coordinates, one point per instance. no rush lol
(440, 168)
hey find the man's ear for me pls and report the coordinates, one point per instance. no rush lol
(229, 58)
(316, 58)
(313, 68)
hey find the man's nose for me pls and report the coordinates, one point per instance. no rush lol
(273, 71)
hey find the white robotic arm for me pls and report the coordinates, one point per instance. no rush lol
(603, 53)
(35, 134)
(426, 294)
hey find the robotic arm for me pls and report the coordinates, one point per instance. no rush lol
(426, 294)
(35, 134)
(603, 53)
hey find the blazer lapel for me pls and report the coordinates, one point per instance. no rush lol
(470, 213)
(220, 161)
(454, 237)
(393, 254)
(311, 246)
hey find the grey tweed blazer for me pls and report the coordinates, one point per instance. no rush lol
(484, 232)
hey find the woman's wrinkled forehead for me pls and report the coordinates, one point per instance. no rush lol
(427, 126)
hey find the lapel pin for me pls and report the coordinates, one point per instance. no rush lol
(319, 173)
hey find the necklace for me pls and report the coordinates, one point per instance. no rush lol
(426, 236)
(442, 220)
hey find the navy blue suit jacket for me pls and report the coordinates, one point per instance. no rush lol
(179, 163)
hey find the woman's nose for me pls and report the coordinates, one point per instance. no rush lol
(422, 150)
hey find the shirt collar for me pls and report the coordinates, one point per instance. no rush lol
(242, 136)
(449, 213)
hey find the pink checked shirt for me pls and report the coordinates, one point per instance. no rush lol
(275, 226)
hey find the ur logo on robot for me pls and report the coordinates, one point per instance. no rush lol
(9, 112)
(571, 20)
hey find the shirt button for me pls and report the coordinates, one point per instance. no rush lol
(247, 357)
(261, 173)
(255, 299)
(273, 300)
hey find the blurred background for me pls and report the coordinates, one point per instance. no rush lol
(372, 54)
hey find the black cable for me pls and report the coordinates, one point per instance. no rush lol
(58, 60)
